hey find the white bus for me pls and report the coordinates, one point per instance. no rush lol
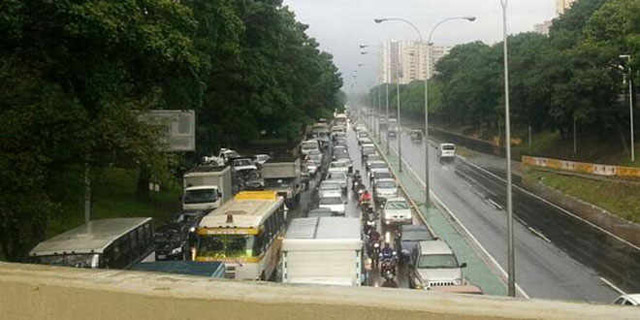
(108, 243)
(244, 233)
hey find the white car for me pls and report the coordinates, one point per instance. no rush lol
(312, 167)
(310, 145)
(377, 175)
(376, 166)
(261, 158)
(316, 156)
(628, 300)
(396, 211)
(339, 166)
(434, 265)
(335, 204)
(446, 152)
(329, 188)
(385, 189)
(340, 177)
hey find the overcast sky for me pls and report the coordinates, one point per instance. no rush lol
(340, 25)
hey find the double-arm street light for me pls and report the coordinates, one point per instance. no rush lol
(426, 90)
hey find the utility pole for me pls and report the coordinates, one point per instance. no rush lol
(510, 241)
(628, 57)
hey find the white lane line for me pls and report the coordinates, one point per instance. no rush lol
(495, 204)
(539, 234)
(610, 284)
(565, 211)
(469, 234)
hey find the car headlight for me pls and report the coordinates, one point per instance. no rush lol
(176, 250)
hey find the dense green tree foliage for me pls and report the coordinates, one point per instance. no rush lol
(76, 75)
(572, 74)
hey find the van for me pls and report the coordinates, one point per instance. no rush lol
(446, 152)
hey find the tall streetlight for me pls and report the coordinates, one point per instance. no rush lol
(426, 91)
(511, 260)
(628, 58)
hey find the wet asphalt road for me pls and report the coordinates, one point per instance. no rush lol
(557, 256)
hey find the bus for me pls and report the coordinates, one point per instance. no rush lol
(115, 243)
(244, 233)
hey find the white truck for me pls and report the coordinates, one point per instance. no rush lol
(284, 176)
(323, 250)
(206, 188)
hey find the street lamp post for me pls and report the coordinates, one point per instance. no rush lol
(511, 264)
(399, 129)
(630, 81)
(426, 91)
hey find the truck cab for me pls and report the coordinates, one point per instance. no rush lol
(201, 198)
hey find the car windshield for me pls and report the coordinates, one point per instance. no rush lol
(336, 176)
(437, 261)
(378, 165)
(397, 205)
(242, 162)
(448, 147)
(310, 145)
(200, 196)
(339, 164)
(368, 150)
(330, 200)
(382, 175)
(385, 184)
(330, 186)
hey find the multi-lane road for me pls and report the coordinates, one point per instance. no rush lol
(557, 256)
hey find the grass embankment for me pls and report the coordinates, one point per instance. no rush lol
(619, 198)
(114, 195)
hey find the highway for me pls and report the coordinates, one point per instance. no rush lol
(557, 256)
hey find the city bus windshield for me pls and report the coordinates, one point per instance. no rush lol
(225, 246)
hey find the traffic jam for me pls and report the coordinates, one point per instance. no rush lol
(329, 212)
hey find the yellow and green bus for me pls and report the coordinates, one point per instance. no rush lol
(245, 233)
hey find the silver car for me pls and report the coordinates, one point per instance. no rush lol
(340, 177)
(385, 189)
(396, 211)
(335, 204)
(330, 188)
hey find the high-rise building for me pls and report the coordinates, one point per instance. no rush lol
(543, 28)
(405, 61)
(562, 5)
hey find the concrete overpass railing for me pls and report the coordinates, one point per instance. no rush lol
(55, 293)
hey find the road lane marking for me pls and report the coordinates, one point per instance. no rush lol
(495, 204)
(565, 211)
(469, 234)
(610, 284)
(539, 234)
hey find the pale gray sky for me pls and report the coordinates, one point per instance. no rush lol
(340, 25)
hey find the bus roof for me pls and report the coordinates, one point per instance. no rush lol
(92, 237)
(247, 210)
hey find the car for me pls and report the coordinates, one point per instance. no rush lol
(340, 166)
(339, 135)
(309, 145)
(372, 157)
(171, 241)
(360, 127)
(340, 142)
(364, 141)
(316, 156)
(416, 135)
(409, 237)
(329, 188)
(341, 177)
(376, 166)
(381, 175)
(384, 189)
(433, 264)
(393, 130)
(260, 159)
(319, 212)
(396, 211)
(312, 167)
(446, 152)
(628, 300)
(340, 151)
(362, 135)
(227, 154)
(367, 150)
(336, 204)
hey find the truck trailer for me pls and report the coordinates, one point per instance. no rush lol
(323, 250)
